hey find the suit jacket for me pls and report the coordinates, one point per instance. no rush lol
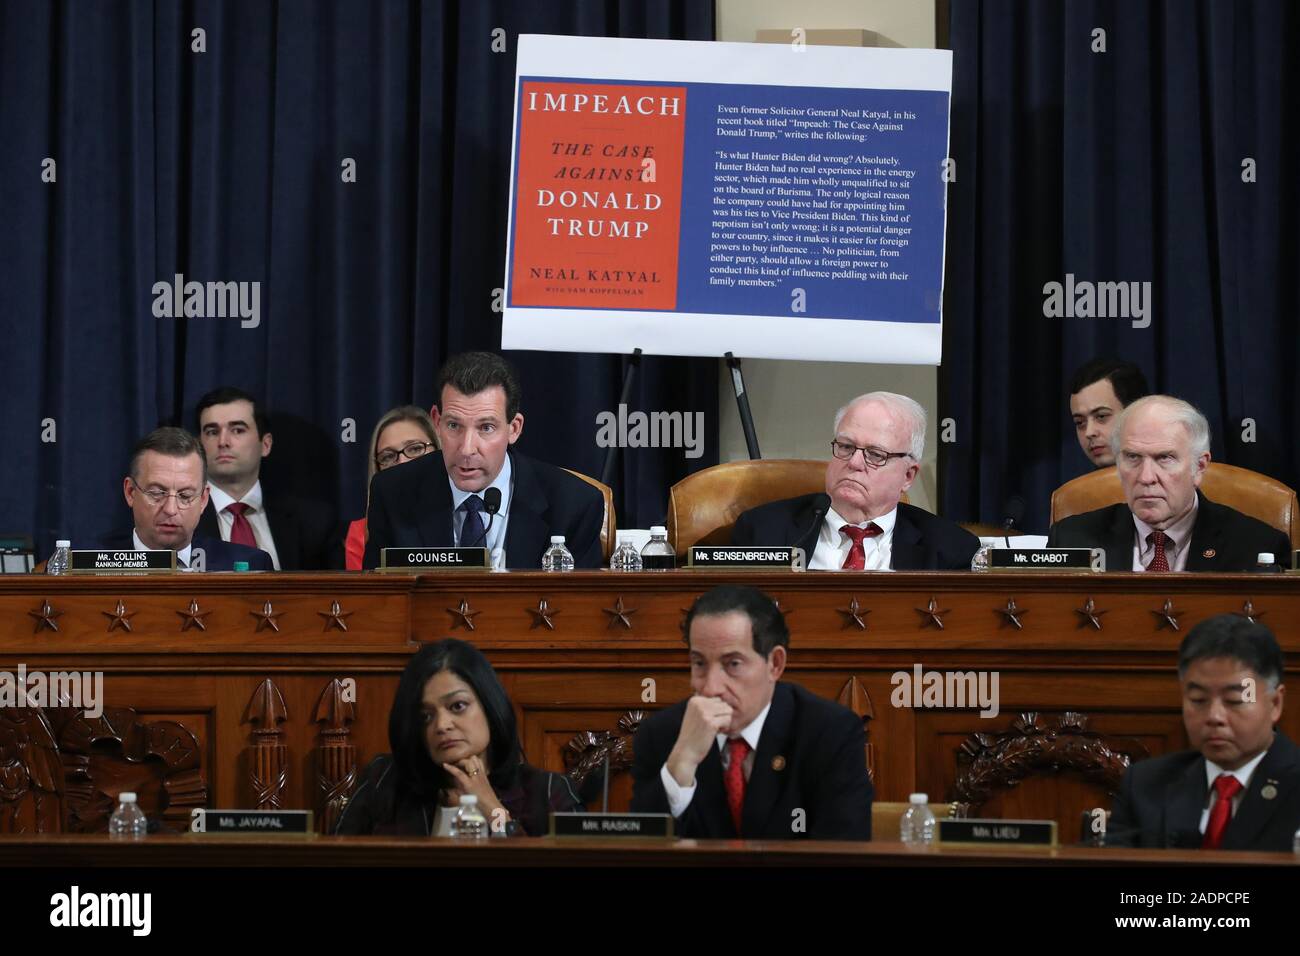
(303, 530)
(218, 555)
(1223, 539)
(1160, 802)
(922, 541)
(824, 774)
(410, 507)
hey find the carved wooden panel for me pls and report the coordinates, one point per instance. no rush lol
(268, 757)
(336, 766)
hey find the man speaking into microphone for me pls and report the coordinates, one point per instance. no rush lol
(481, 493)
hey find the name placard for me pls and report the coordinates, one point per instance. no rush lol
(1047, 559)
(658, 825)
(998, 832)
(730, 556)
(279, 822)
(436, 559)
(106, 561)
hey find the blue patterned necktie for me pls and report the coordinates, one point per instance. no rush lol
(473, 533)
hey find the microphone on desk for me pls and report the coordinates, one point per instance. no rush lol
(491, 504)
(1014, 513)
(604, 798)
(821, 505)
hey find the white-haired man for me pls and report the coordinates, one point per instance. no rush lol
(860, 524)
(1162, 448)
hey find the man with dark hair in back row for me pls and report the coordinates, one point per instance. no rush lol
(1099, 391)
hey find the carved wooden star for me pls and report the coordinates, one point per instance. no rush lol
(193, 617)
(1011, 614)
(268, 617)
(542, 615)
(930, 614)
(119, 617)
(335, 617)
(45, 616)
(464, 615)
(1167, 616)
(853, 614)
(1088, 614)
(1248, 611)
(619, 613)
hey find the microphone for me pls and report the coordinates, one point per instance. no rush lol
(604, 798)
(1014, 513)
(821, 505)
(491, 504)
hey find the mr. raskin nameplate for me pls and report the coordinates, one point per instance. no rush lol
(108, 561)
(1047, 559)
(998, 832)
(434, 559)
(658, 825)
(279, 822)
(756, 558)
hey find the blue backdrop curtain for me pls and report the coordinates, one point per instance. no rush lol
(1123, 165)
(225, 165)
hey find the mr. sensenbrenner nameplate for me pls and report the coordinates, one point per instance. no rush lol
(612, 824)
(109, 561)
(728, 556)
(441, 559)
(251, 821)
(1047, 559)
(1006, 832)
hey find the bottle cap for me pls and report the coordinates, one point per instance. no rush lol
(658, 529)
(241, 565)
(126, 796)
(1265, 557)
(468, 800)
(557, 539)
(918, 798)
(63, 543)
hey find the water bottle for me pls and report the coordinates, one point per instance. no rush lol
(918, 824)
(127, 821)
(982, 558)
(1295, 842)
(557, 556)
(58, 563)
(1266, 563)
(658, 555)
(469, 822)
(625, 557)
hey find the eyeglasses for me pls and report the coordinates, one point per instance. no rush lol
(156, 496)
(412, 451)
(874, 457)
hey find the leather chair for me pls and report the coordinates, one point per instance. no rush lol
(608, 527)
(1248, 491)
(885, 818)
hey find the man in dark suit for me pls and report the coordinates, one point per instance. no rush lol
(877, 449)
(1099, 391)
(749, 756)
(166, 491)
(440, 500)
(296, 532)
(1239, 789)
(1162, 447)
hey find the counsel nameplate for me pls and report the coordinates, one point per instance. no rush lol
(298, 822)
(110, 561)
(758, 558)
(1047, 559)
(437, 559)
(998, 832)
(659, 825)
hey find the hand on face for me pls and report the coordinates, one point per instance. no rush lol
(471, 777)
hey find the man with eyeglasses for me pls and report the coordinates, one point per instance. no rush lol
(167, 491)
(875, 456)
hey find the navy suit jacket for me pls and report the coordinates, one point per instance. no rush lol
(922, 541)
(218, 555)
(822, 771)
(410, 507)
(303, 530)
(1161, 799)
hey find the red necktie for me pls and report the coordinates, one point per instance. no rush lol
(734, 778)
(1159, 562)
(241, 532)
(1227, 787)
(857, 558)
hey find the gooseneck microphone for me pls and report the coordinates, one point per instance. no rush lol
(491, 504)
(821, 505)
(1013, 514)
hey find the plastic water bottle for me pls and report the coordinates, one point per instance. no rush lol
(918, 824)
(58, 563)
(658, 554)
(982, 558)
(1295, 842)
(625, 557)
(469, 822)
(557, 556)
(1266, 563)
(128, 821)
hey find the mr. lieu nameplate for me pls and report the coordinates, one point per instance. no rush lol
(1047, 559)
(757, 558)
(109, 561)
(998, 832)
(434, 559)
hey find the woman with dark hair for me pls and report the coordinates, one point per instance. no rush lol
(452, 730)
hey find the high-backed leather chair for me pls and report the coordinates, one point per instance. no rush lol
(608, 527)
(1248, 491)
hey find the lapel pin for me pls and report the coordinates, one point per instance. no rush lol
(778, 762)
(1269, 791)
(1208, 553)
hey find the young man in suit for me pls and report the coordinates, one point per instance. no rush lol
(1239, 789)
(1162, 448)
(748, 755)
(876, 454)
(439, 500)
(296, 532)
(1099, 391)
(167, 491)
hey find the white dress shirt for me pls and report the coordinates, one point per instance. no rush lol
(182, 556)
(1243, 775)
(255, 515)
(679, 797)
(1178, 539)
(833, 545)
(496, 536)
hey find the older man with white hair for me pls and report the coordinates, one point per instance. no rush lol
(1162, 448)
(860, 524)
